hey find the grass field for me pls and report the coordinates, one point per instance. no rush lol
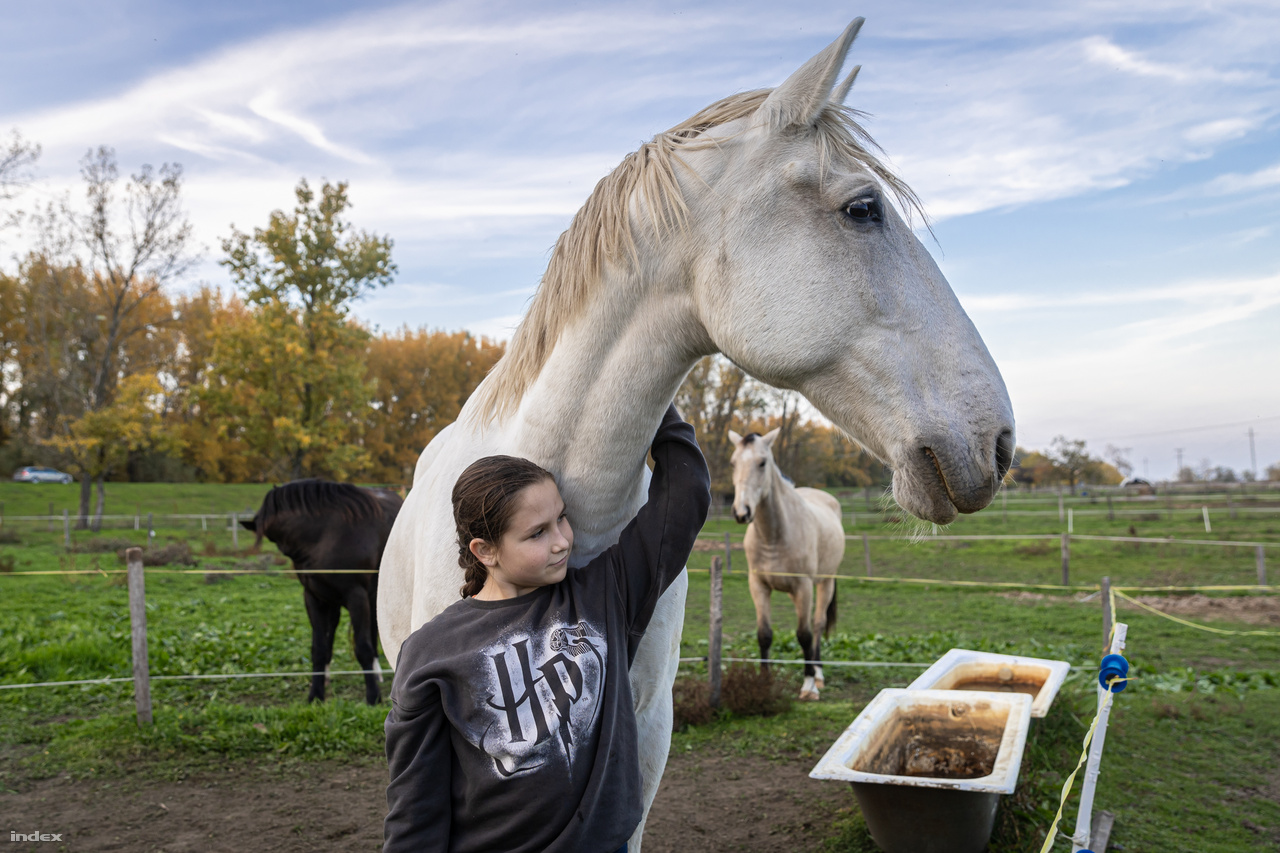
(1191, 760)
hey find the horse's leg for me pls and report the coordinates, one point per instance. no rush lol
(822, 601)
(361, 628)
(760, 594)
(373, 619)
(802, 597)
(324, 622)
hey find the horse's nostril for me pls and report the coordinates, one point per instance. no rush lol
(1004, 453)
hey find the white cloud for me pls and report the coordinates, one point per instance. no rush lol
(1233, 183)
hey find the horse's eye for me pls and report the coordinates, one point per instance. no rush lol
(865, 209)
(761, 463)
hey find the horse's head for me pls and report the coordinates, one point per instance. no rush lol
(807, 277)
(752, 464)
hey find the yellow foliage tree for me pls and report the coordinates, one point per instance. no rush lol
(421, 380)
(101, 439)
(289, 380)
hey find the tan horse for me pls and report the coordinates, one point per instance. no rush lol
(794, 536)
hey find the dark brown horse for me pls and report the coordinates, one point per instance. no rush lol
(337, 531)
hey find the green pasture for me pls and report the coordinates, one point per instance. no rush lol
(1190, 756)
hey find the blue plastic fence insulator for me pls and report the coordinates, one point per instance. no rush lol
(1113, 666)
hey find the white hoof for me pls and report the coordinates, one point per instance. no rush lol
(809, 696)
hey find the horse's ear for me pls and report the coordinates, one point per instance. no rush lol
(799, 100)
(842, 91)
(735, 438)
(769, 436)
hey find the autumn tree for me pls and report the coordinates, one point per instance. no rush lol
(46, 320)
(421, 381)
(100, 440)
(17, 159)
(715, 397)
(1070, 459)
(292, 376)
(133, 244)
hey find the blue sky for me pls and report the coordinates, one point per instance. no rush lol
(1104, 178)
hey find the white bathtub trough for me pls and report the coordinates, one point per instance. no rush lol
(928, 766)
(962, 669)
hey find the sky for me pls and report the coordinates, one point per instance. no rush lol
(1103, 179)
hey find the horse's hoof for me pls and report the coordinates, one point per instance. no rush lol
(808, 696)
(818, 684)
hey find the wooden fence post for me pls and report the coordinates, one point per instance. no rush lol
(1204, 510)
(1107, 615)
(1262, 566)
(866, 552)
(66, 529)
(1061, 512)
(1111, 513)
(138, 623)
(1066, 559)
(1231, 505)
(728, 554)
(1071, 520)
(235, 531)
(717, 631)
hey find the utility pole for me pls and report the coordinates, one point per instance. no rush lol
(1253, 456)
(1178, 474)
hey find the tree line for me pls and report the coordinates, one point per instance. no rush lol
(111, 373)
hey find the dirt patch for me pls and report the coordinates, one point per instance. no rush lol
(1254, 609)
(708, 801)
(294, 808)
(718, 802)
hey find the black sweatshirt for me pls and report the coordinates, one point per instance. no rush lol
(511, 727)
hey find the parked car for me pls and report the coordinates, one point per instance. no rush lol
(36, 474)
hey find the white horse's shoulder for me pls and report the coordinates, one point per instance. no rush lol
(431, 451)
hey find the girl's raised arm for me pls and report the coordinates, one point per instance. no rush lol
(653, 548)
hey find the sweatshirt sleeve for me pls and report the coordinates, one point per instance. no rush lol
(419, 754)
(653, 548)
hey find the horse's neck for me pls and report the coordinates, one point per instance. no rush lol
(775, 515)
(592, 413)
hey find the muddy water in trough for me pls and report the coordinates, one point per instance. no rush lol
(948, 743)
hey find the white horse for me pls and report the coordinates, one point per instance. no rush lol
(759, 228)
(794, 537)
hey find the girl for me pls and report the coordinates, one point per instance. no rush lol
(511, 726)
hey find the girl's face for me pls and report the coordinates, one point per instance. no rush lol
(534, 550)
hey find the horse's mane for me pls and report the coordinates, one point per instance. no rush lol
(316, 497)
(601, 229)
